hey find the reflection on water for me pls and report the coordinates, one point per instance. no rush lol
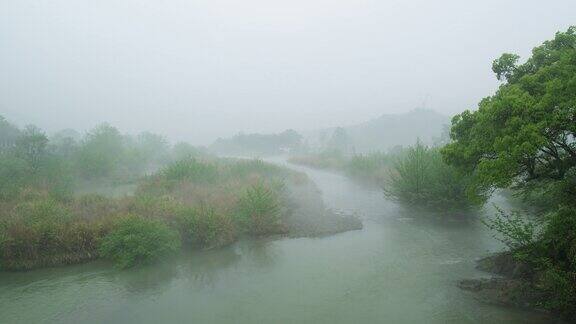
(401, 268)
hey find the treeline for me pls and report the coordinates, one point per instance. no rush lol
(59, 163)
(259, 144)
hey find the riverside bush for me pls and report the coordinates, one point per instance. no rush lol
(205, 227)
(259, 209)
(135, 240)
(421, 178)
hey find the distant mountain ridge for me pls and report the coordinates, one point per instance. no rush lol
(390, 130)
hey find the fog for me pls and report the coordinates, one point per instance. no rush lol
(197, 70)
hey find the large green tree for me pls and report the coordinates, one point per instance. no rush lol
(526, 131)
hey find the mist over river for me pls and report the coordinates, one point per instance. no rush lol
(402, 267)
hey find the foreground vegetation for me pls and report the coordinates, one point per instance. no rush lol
(190, 203)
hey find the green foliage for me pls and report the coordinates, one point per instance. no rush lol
(205, 227)
(190, 170)
(559, 287)
(524, 137)
(135, 240)
(421, 178)
(100, 152)
(514, 229)
(242, 169)
(14, 175)
(340, 141)
(373, 167)
(43, 232)
(525, 131)
(183, 151)
(505, 66)
(259, 209)
(31, 146)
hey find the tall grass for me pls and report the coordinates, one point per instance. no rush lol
(43, 233)
(373, 167)
(205, 227)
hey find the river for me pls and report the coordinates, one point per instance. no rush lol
(402, 267)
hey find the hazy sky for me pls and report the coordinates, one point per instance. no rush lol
(199, 69)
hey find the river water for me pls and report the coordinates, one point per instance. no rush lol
(401, 268)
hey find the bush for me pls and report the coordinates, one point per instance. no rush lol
(191, 170)
(135, 240)
(559, 287)
(205, 227)
(259, 209)
(549, 249)
(421, 178)
(515, 231)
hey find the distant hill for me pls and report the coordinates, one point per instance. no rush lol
(389, 130)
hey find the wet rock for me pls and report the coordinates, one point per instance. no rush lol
(502, 291)
(505, 264)
(513, 287)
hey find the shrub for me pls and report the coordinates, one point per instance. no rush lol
(515, 231)
(205, 227)
(559, 287)
(259, 209)
(549, 249)
(421, 178)
(135, 240)
(191, 170)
